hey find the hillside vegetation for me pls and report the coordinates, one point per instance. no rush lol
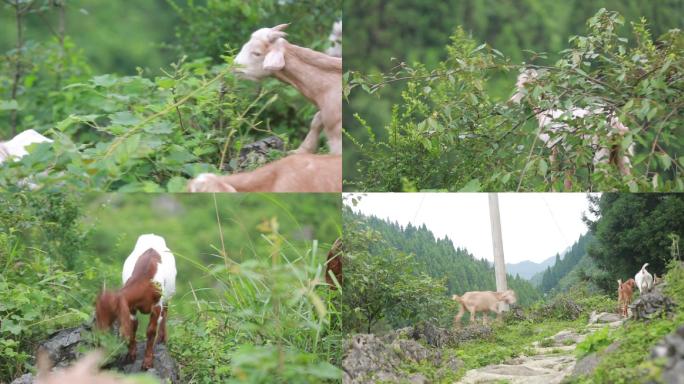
(448, 124)
(119, 125)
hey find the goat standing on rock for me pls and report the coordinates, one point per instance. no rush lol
(149, 278)
(316, 75)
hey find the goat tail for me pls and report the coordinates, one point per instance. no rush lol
(619, 283)
(644, 267)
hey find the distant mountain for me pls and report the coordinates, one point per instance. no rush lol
(526, 269)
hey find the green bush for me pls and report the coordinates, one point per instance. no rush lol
(447, 133)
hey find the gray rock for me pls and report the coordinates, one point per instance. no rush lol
(62, 348)
(370, 358)
(671, 348)
(603, 317)
(25, 379)
(652, 305)
(255, 154)
(588, 364)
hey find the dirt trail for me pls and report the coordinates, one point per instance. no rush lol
(548, 365)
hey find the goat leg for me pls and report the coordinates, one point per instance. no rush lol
(151, 336)
(457, 318)
(162, 325)
(310, 143)
(132, 350)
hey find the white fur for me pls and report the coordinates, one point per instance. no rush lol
(552, 120)
(166, 270)
(336, 39)
(16, 148)
(644, 279)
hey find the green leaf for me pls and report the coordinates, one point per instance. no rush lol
(158, 128)
(543, 167)
(177, 184)
(472, 186)
(105, 80)
(8, 105)
(124, 118)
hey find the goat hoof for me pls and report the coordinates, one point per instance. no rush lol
(146, 365)
(130, 358)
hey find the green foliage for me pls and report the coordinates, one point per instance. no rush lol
(145, 133)
(594, 342)
(553, 274)
(633, 229)
(226, 25)
(447, 132)
(37, 294)
(383, 283)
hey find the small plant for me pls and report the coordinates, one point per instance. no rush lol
(594, 342)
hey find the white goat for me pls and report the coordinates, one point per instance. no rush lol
(644, 280)
(16, 148)
(336, 39)
(552, 120)
(482, 301)
(294, 173)
(316, 75)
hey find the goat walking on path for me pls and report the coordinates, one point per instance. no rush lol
(149, 278)
(317, 76)
(482, 301)
(625, 292)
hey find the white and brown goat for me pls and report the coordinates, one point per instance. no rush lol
(149, 281)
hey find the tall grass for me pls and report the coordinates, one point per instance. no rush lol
(269, 318)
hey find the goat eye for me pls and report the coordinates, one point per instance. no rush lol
(257, 54)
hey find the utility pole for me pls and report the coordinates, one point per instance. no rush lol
(497, 245)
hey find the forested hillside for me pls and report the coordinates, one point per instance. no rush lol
(562, 266)
(440, 258)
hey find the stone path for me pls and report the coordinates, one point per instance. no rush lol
(549, 364)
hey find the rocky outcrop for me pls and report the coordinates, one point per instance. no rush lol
(62, 348)
(671, 349)
(541, 369)
(370, 358)
(652, 305)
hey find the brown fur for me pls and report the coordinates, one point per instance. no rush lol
(625, 292)
(138, 294)
(334, 265)
(294, 173)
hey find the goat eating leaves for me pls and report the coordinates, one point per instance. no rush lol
(149, 278)
(317, 76)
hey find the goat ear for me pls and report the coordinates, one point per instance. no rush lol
(274, 60)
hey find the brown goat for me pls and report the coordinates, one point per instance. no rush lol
(334, 264)
(625, 292)
(149, 277)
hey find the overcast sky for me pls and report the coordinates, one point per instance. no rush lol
(535, 226)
